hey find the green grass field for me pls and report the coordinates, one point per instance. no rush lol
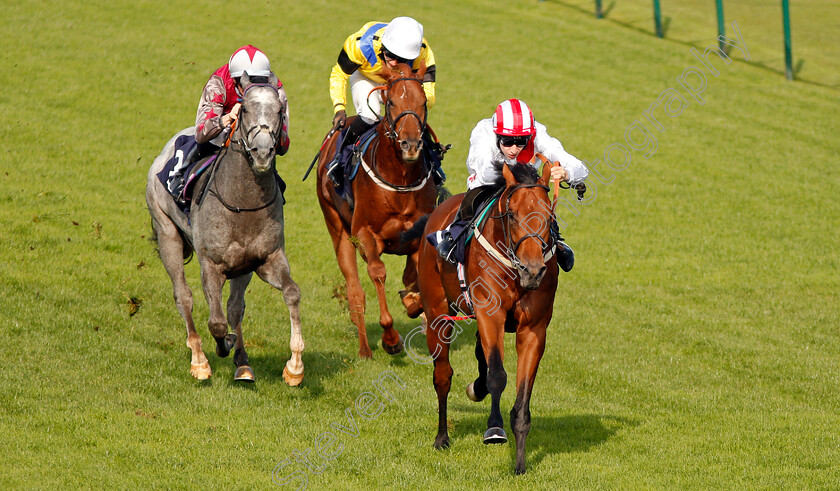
(694, 345)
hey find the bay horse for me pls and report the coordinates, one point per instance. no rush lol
(236, 228)
(389, 196)
(511, 271)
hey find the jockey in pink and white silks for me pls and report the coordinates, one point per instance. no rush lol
(219, 107)
(511, 136)
(219, 104)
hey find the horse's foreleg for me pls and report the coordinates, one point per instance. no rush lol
(530, 345)
(372, 247)
(171, 247)
(276, 272)
(345, 253)
(212, 281)
(235, 313)
(477, 390)
(492, 344)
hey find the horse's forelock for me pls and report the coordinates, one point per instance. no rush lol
(403, 70)
(523, 173)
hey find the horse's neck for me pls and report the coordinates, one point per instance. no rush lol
(238, 176)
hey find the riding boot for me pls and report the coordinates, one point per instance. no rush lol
(565, 254)
(448, 238)
(356, 129)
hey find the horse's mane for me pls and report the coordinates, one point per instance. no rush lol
(523, 173)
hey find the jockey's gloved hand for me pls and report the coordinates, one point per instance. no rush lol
(340, 118)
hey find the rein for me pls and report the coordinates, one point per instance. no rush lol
(242, 141)
(381, 182)
(506, 217)
(391, 133)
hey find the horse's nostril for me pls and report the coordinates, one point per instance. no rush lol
(405, 145)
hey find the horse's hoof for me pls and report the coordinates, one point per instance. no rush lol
(365, 353)
(393, 349)
(519, 470)
(442, 443)
(411, 302)
(495, 435)
(292, 380)
(224, 346)
(243, 374)
(472, 395)
(200, 371)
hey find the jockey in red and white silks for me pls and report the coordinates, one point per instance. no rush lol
(219, 104)
(513, 118)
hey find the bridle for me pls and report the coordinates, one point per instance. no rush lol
(391, 132)
(242, 141)
(507, 217)
(391, 123)
(249, 134)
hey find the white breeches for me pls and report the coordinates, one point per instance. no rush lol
(368, 105)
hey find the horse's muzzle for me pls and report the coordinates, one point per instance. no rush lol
(411, 149)
(530, 276)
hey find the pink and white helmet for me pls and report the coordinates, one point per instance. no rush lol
(513, 118)
(249, 59)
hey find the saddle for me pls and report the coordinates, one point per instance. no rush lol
(342, 169)
(179, 174)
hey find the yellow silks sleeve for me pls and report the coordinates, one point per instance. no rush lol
(338, 88)
(429, 89)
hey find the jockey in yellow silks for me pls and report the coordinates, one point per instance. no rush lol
(361, 61)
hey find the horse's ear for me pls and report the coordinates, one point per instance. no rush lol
(244, 80)
(272, 80)
(508, 174)
(545, 178)
(421, 71)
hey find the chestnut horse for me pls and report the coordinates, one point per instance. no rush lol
(394, 190)
(511, 270)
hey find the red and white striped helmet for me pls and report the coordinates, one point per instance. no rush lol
(249, 59)
(513, 118)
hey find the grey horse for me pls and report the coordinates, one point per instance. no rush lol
(235, 227)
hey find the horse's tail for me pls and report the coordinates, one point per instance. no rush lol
(416, 230)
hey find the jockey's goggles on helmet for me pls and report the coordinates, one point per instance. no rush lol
(391, 56)
(509, 141)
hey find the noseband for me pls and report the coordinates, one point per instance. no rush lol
(247, 136)
(507, 217)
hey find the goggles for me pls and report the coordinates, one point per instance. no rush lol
(391, 56)
(509, 141)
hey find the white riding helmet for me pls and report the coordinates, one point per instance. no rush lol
(403, 37)
(249, 59)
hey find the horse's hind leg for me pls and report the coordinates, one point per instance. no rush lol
(410, 296)
(438, 337)
(276, 272)
(171, 247)
(530, 345)
(372, 247)
(235, 313)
